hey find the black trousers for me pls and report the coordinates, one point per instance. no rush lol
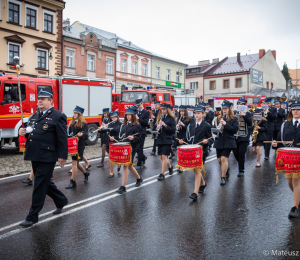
(140, 152)
(44, 186)
(154, 145)
(240, 153)
(275, 134)
(268, 146)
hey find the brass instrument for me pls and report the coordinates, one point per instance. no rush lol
(222, 126)
(159, 127)
(266, 113)
(178, 127)
(252, 109)
(151, 121)
(255, 132)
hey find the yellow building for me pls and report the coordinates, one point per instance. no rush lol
(31, 30)
(295, 75)
(167, 73)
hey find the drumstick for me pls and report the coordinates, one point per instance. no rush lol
(114, 138)
(181, 140)
(203, 140)
(280, 142)
(128, 136)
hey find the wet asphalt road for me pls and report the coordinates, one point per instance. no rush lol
(244, 219)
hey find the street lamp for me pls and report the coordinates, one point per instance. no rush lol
(50, 57)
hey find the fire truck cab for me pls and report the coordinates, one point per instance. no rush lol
(91, 94)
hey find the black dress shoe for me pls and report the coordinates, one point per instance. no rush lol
(201, 189)
(110, 176)
(71, 185)
(57, 211)
(266, 158)
(193, 196)
(86, 176)
(27, 223)
(121, 190)
(152, 153)
(223, 181)
(137, 167)
(161, 177)
(294, 213)
(100, 166)
(88, 167)
(119, 168)
(28, 181)
(171, 170)
(227, 175)
(138, 182)
(180, 171)
(241, 174)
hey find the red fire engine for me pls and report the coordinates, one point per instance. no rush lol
(91, 94)
(149, 96)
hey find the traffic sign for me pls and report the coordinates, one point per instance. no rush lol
(263, 98)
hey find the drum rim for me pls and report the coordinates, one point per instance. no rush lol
(190, 146)
(289, 148)
(121, 143)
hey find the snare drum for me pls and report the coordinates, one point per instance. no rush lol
(120, 153)
(190, 157)
(73, 146)
(288, 162)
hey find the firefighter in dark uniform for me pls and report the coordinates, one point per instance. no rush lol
(209, 117)
(154, 115)
(242, 137)
(271, 117)
(103, 134)
(283, 106)
(279, 120)
(175, 110)
(143, 119)
(47, 142)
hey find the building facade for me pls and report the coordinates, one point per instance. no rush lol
(167, 73)
(87, 53)
(240, 74)
(295, 75)
(31, 30)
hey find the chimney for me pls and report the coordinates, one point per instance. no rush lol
(238, 57)
(274, 54)
(67, 21)
(215, 60)
(261, 53)
(203, 62)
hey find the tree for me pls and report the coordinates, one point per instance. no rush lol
(285, 73)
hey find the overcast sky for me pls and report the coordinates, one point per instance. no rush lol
(192, 30)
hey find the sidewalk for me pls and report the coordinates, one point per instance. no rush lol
(12, 162)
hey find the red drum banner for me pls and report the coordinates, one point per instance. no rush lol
(73, 146)
(190, 157)
(288, 162)
(120, 153)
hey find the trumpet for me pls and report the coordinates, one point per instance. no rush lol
(103, 127)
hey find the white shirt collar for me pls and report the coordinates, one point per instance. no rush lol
(46, 110)
(294, 120)
(198, 123)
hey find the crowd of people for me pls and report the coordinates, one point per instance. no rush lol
(229, 131)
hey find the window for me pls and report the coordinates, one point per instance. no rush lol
(14, 13)
(91, 62)
(42, 87)
(212, 85)
(267, 84)
(145, 70)
(194, 85)
(11, 94)
(177, 77)
(238, 82)
(42, 59)
(187, 71)
(166, 97)
(124, 65)
(271, 85)
(13, 50)
(134, 67)
(31, 18)
(70, 58)
(48, 23)
(225, 83)
(109, 64)
(157, 72)
(168, 75)
(131, 97)
(117, 98)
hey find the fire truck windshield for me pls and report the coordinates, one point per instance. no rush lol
(132, 96)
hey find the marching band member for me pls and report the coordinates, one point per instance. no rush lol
(259, 134)
(128, 129)
(279, 120)
(242, 137)
(290, 131)
(143, 119)
(78, 127)
(199, 131)
(283, 106)
(209, 117)
(103, 134)
(224, 142)
(175, 110)
(166, 125)
(115, 126)
(271, 117)
(154, 115)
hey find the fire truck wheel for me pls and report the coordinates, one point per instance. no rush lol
(93, 137)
